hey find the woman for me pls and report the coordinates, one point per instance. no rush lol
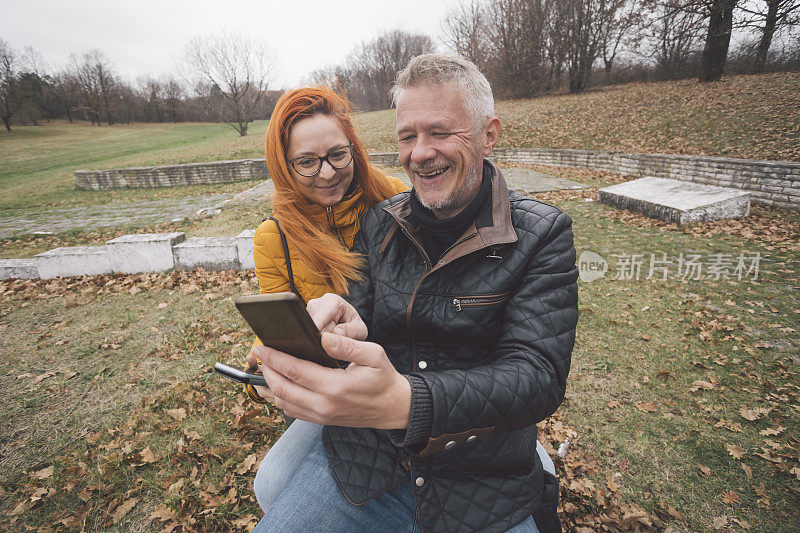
(323, 184)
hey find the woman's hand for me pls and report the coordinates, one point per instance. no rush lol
(332, 314)
(252, 368)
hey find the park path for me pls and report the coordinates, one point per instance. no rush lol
(57, 220)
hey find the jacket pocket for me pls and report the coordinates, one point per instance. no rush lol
(546, 515)
(478, 300)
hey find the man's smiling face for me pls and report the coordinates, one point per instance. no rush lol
(439, 148)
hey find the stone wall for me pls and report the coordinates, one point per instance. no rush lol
(172, 175)
(769, 182)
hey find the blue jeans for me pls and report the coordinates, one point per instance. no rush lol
(297, 490)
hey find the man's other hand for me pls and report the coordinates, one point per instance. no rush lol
(331, 313)
(368, 393)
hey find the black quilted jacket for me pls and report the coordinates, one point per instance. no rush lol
(489, 330)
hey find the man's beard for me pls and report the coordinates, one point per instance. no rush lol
(461, 197)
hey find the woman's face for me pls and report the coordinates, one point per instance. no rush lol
(319, 136)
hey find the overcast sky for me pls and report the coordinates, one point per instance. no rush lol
(147, 36)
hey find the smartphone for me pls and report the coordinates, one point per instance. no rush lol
(240, 376)
(280, 321)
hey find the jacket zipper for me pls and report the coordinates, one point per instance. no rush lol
(333, 226)
(477, 301)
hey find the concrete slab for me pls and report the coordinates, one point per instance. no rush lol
(18, 268)
(143, 252)
(244, 247)
(676, 201)
(211, 253)
(73, 261)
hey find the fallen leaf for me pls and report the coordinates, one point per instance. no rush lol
(747, 470)
(178, 414)
(162, 513)
(42, 377)
(120, 512)
(613, 404)
(646, 407)
(700, 384)
(735, 451)
(730, 496)
(772, 431)
(719, 522)
(247, 464)
(796, 472)
(744, 524)
(706, 471)
(754, 414)
(44, 473)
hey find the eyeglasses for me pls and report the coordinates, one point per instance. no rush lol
(309, 165)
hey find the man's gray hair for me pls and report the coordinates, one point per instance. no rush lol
(433, 70)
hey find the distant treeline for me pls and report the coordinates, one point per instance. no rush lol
(89, 89)
(532, 47)
(525, 47)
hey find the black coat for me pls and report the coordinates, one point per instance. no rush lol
(494, 322)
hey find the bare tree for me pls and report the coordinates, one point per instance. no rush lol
(96, 78)
(621, 31)
(10, 90)
(768, 17)
(66, 91)
(173, 92)
(674, 36)
(236, 71)
(466, 31)
(371, 67)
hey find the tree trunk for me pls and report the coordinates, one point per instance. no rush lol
(766, 36)
(718, 38)
(5, 121)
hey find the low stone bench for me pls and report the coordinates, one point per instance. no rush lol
(137, 253)
(73, 261)
(143, 252)
(18, 268)
(244, 246)
(211, 253)
(675, 201)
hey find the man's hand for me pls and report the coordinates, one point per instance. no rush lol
(368, 393)
(331, 313)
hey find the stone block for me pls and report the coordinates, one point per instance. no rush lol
(244, 248)
(677, 201)
(18, 268)
(73, 261)
(211, 253)
(143, 252)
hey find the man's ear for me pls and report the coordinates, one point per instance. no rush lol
(492, 128)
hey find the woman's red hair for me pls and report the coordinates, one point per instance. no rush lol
(302, 219)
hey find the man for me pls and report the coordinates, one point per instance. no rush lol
(459, 338)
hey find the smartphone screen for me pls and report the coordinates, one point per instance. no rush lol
(280, 321)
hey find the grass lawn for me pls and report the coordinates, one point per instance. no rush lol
(682, 402)
(38, 162)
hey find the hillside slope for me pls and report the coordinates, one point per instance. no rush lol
(754, 117)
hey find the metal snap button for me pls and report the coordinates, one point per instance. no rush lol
(471, 438)
(423, 365)
(420, 481)
(449, 445)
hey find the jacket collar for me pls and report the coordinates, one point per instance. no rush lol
(501, 231)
